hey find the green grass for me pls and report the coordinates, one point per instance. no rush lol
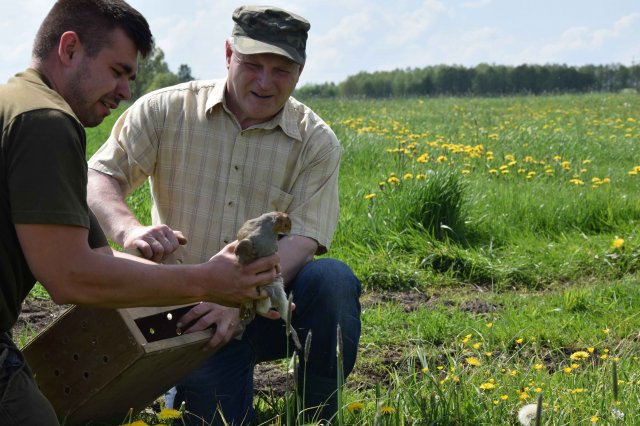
(502, 214)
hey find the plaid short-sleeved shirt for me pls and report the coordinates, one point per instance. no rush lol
(208, 176)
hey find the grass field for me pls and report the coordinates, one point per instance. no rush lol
(512, 223)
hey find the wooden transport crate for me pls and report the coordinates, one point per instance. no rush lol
(94, 365)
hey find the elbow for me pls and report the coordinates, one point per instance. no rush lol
(58, 293)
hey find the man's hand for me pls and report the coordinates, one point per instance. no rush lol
(226, 321)
(204, 315)
(236, 284)
(155, 243)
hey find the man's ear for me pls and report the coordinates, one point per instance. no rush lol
(69, 47)
(228, 52)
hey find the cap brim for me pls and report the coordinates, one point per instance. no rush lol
(249, 46)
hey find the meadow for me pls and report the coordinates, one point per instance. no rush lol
(498, 246)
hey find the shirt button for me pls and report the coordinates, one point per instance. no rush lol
(236, 167)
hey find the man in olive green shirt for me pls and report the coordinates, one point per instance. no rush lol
(84, 55)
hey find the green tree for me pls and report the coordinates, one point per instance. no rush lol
(153, 73)
(184, 73)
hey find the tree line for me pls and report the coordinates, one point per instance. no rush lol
(481, 80)
(154, 73)
(438, 80)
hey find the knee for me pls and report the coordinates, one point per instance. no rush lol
(326, 291)
(330, 279)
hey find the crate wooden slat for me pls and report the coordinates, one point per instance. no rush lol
(97, 364)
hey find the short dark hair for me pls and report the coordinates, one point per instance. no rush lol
(92, 21)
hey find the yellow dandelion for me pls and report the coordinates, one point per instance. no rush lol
(472, 360)
(369, 196)
(407, 176)
(579, 355)
(477, 345)
(606, 331)
(488, 353)
(590, 350)
(617, 243)
(538, 366)
(137, 423)
(594, 419)
(466, 339)
(387, 410)
(504, 397)
(425, 369)
(168, 414)
(355, 407)
(424, 158)
(394, 180)
(489, 324)
(519, 341)
(487, 386)
(567, 370)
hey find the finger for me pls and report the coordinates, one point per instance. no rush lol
(169, 243)
(145, 249)
(157, 247)
(182, 240)
(263, 264)
(271, 314)
(214, 342)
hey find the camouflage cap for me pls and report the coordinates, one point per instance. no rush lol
(267, 29)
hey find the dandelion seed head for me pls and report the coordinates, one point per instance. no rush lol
(617, 414)
(527, 414)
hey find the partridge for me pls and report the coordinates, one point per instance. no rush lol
(257, 238)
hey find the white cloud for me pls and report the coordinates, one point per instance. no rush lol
(586, 40)
(477, 4)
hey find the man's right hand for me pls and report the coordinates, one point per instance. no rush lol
(155, 243)
(236, 284)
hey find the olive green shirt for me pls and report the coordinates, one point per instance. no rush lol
(208, 176)
(43, 178)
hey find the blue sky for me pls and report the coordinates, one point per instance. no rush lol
(349, 36)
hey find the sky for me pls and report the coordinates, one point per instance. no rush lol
(351, 36)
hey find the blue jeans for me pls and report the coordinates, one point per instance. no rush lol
(326, 293)
(21, 402)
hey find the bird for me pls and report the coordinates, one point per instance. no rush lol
(258, 237)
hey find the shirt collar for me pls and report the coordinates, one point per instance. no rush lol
(286, 119)
(38, 79)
